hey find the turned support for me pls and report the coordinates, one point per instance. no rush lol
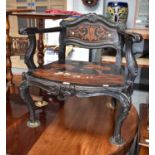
(40, 45)
(9, 75)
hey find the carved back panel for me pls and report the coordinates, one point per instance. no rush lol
(90, 31)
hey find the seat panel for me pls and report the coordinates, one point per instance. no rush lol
(82, 73)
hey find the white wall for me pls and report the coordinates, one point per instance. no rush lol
(77, 5)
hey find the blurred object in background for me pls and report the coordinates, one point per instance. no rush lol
(117, 12)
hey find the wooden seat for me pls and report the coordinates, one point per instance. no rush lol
(84, 79)
(82, 73)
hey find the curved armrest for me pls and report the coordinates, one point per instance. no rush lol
(32, 43)
(30, 52)
(130, 39)
(131, 61)
(34, 30)
(134, 37)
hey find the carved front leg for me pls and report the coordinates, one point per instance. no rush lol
(125, 106)
(25, 95)
(123, 112)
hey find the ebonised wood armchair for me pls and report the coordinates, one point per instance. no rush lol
(84, 79)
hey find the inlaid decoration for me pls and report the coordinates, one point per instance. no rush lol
(90, 33)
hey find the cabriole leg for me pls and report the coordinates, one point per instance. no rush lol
(25, 95)
(117, 139)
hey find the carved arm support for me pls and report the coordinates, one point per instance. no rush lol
(32, 42)
(129, 39)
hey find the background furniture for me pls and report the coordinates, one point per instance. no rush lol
(37, 6)
(9, 76)
(40, 17)
(25, 14)
(141, 20)
(143, 133)
(83, 79)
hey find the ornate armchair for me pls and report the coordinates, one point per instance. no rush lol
(65, 78)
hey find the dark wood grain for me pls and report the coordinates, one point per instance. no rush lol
(19, 137)
(38, 15)
(83, 127)
(15, 10)
(81, 73)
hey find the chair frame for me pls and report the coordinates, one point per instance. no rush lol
(121, 93)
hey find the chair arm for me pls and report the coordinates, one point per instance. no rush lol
(130, 39)
(30, 52)
(131, 61)
(134, 37)
(32, 43)
(34, 30)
